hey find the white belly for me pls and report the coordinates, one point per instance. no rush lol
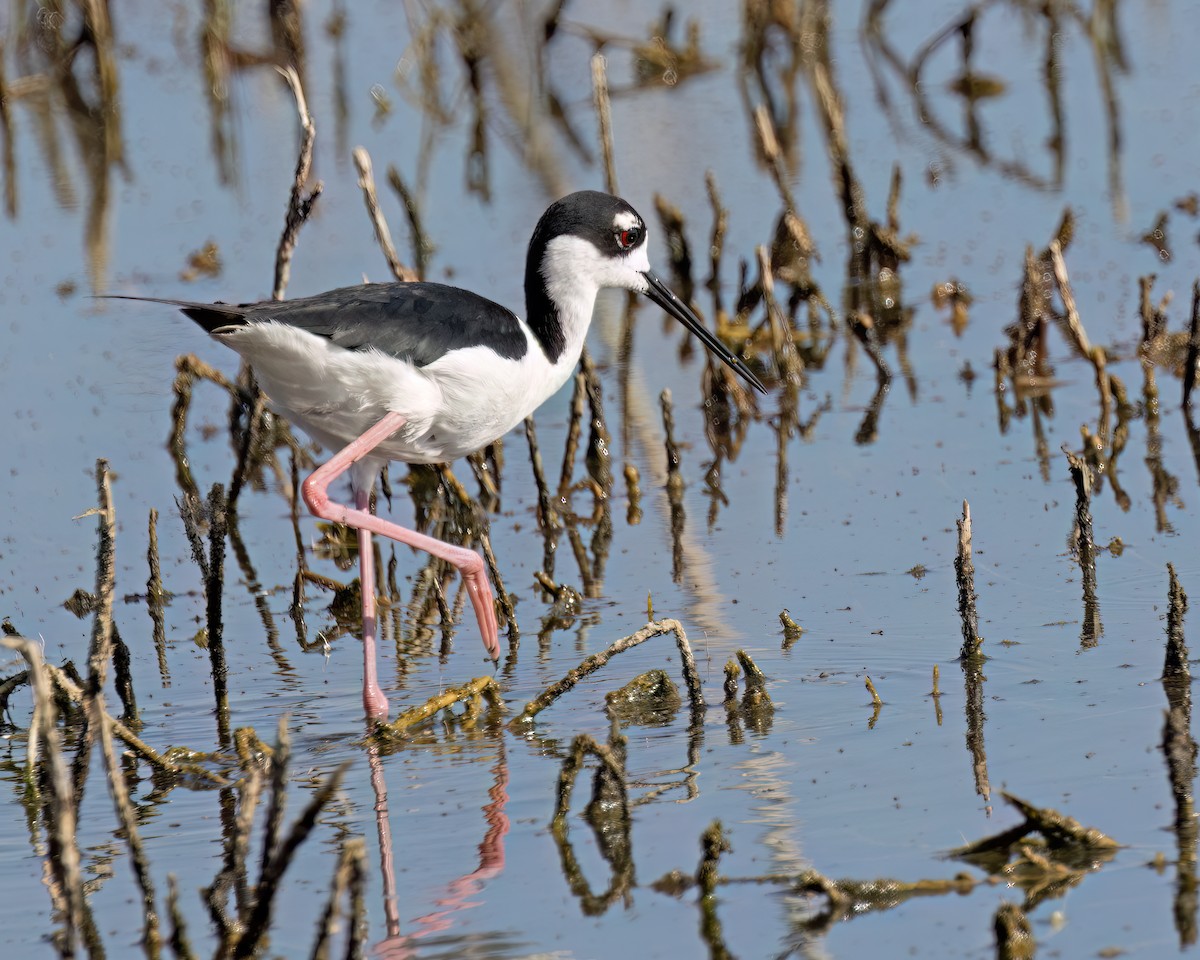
(452, 407)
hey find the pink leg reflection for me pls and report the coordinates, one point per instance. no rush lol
(458, 892)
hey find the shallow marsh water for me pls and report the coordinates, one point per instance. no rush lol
(859, 547)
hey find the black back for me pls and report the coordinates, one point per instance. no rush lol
(417, 322)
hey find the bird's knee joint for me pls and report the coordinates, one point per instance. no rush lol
(314, 495)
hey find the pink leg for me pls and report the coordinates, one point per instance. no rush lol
(374, 702)
(315, 491)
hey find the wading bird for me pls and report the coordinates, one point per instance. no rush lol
(427, 373)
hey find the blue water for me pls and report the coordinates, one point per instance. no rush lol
(1075, 729)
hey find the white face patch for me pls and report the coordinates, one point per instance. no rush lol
(639, 259)
(574, 270)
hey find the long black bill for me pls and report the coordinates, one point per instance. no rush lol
(661, 294)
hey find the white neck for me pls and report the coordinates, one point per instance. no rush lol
(574, 271)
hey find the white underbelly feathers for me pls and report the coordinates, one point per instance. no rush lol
(453, 406)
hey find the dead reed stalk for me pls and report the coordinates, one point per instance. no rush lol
(598, 660)
(383, 236)
(964, 569)
(300, 204)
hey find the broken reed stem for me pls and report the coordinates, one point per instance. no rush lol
(973, 680)
(712, 845)
(581, 746)
(351, 865)
(479, 688)
(249, 794)
(964, 569)
(755, 678)
(936, 693)
(792, 631)
(487, 464)
(213, 587)
(454, 488)
(155, 599)
(503, 597)
(1081, 475)
(188, 369)
(732, 672)
(598, 458)
(190, 514)
(8, 139)
(1193, 349)
(123, 678)
(862, 325)
(299, 203)
(98, 720)
(598, 660)
(1057, 828)
(358, 905)
(671, 219)
(716, 246)
(296, 608)
(833, 120)
(1104, 384)
(100, 649)
(250, 442)
(848, 897)
(11, 685)
(59, 808)
(674, 480)
(1179, 749)
(547, 516)
(587, 574)
(279, 773)
(1079, 338)
(574, 428)
(1014, 935)
(366, 182)
(420, 241)
(237, 816)
(74, 692)
(1175, 664)
(604, 115)
(1076, 334)
(178, 940)
(893, 200)
(768, 141)
(259, 920)
(787, 360)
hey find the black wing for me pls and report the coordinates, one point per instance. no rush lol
(417, 322)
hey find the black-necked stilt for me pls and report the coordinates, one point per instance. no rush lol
(427, 373)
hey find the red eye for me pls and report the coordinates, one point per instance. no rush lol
(628, 239)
